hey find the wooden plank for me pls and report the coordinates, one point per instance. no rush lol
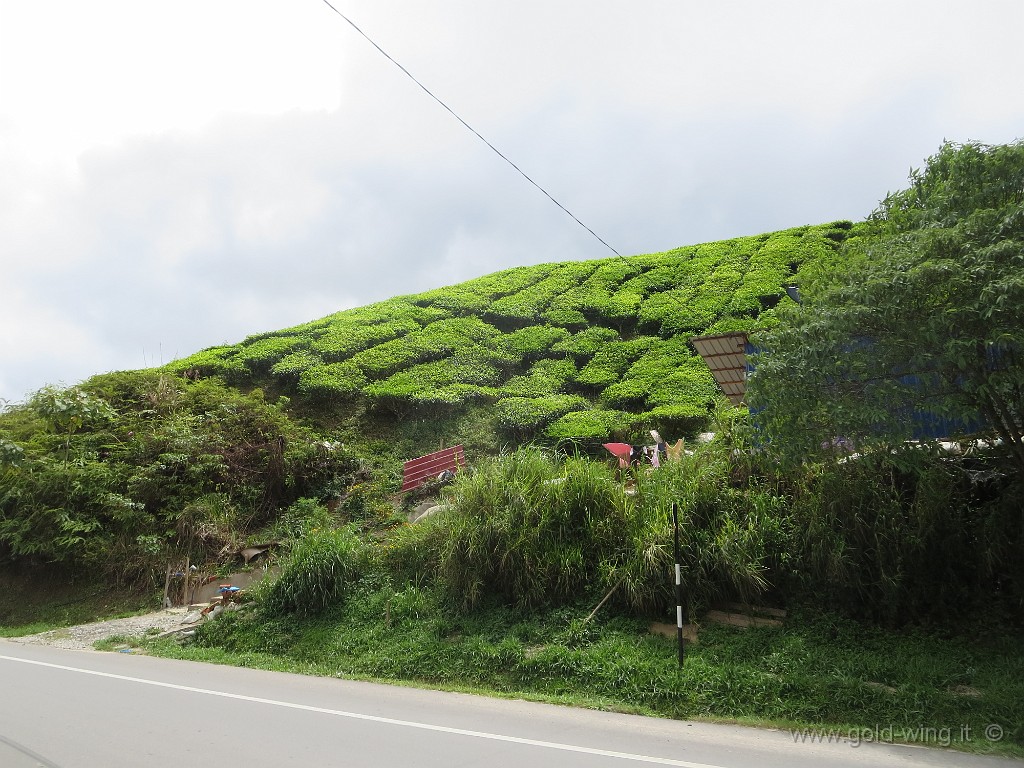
(739, 620)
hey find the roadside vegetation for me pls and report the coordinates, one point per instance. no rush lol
(900, 563)
(820, 670)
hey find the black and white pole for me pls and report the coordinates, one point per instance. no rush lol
(679, 587)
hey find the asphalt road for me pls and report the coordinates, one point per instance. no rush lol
(78, 709)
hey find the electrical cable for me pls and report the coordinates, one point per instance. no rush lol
(475, 132)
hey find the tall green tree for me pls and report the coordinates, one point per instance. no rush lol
(919, 326)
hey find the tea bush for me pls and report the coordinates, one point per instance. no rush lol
(545, 377)
(526, 415)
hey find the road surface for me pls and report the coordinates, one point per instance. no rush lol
(83, 709)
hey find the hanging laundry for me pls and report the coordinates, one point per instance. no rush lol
(622, 451)
(675, 452)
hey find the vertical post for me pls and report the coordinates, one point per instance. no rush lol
(184, 583)
(166, 602)
(679, 586)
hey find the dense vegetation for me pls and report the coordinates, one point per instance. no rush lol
(577, 350)
(136, 469)
(919, 329)
(296, 437)
(130, 470)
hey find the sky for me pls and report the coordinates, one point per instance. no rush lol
(177, 176)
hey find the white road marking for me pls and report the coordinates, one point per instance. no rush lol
(375, 718)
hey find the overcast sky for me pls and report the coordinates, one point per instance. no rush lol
(174, 176)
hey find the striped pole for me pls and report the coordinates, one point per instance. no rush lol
(679, 587)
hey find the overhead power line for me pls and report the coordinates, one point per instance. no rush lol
(473, 130)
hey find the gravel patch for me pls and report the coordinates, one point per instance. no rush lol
(81, 637)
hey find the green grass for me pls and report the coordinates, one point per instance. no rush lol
(817, 671)
(33, 604)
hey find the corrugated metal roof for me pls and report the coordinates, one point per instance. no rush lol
(726, 356)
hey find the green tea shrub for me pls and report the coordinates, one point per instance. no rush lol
(545, 377)
(529, 302)
(612, 360)
(470, 368)
(263, 353)
(290, 367)
(598, 424)
(526, 345)
(564, 317)
(332, 380)
(436, 340)
(459, 300)
(622, 307)
(215, 361)
(391, 310)
(668, 369)
(511, 281)
(529, 414)
(584, 344)
(342, 341)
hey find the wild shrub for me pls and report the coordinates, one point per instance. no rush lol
(901, 539)
(520, 530)
(316, 575)
(298, 521)
(166, 469)
(733, 541)
(529, 531)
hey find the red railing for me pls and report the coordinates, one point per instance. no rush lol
(416, 472)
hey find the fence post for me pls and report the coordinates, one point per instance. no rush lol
(679, 587)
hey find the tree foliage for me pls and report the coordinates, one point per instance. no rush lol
(112, 476)
(918, 330)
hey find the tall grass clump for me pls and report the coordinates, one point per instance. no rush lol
(522, 528)
(315, 575)
(733, 537)
(532, 531)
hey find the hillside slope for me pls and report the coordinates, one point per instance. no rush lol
(186, 463)
(564, 350)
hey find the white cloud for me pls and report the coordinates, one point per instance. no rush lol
(174, 180)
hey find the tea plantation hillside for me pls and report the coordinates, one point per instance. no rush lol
(567, 350)
(239, 443)
(542, 565)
